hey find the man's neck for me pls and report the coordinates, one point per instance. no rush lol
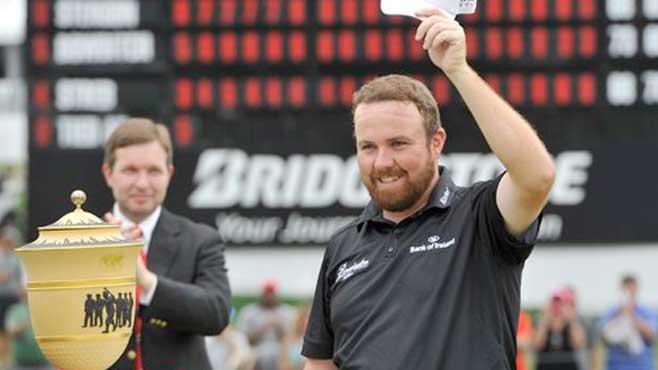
(136, 219)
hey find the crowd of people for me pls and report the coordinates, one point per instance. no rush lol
(267, 335)
(623, 338)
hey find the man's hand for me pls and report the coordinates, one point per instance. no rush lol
(444, 40)
(129, 231)
(570, 312)
(145, 278)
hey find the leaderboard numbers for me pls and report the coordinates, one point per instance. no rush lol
(650, 81)
(205, 56)
(650, 40)
(620, 10)
(651, 9)
(625, 88)
(629, 39)
(625, 40)
(626, 10)
(330, 92)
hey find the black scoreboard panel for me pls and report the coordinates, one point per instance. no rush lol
(270, 82)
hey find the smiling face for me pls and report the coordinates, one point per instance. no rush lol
(139, 178)
(397, 161)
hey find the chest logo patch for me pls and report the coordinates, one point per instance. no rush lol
(433, 243)
(346, 271)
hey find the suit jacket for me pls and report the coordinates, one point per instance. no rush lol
(191, 300)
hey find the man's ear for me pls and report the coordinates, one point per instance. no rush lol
(107, 172)
(438, 141)
(170, 167)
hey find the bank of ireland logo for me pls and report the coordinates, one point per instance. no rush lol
(433, 243)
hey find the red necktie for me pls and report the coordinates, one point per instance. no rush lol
(138, 322)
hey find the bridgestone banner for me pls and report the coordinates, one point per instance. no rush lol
(603, 192)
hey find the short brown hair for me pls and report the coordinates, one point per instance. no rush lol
(137, 131)
(404, 89)
(628, 279)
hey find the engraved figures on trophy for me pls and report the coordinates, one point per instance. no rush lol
(116, 311)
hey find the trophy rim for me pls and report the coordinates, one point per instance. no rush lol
(33, 248)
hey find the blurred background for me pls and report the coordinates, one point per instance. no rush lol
(257, 95)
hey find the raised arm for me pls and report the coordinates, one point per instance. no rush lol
(525, 187)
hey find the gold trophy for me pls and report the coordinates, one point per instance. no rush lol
(81, 289)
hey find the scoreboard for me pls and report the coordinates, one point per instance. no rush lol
(257, 95)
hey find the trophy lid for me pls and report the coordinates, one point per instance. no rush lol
(79, 228)
(78, 217)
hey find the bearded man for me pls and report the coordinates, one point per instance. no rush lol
(428, 277)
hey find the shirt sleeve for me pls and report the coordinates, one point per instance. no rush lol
(492, 230)
(606, 318)
(319, 337)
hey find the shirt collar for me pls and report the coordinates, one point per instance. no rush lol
(147, 225)
(441, 197)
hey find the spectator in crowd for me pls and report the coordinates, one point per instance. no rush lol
(25, 352)
(230, 350)
(629, 331)
(291, 350)
(582, 355)
(11, 276)
(559, 335)
(523, 340)
(265, 323)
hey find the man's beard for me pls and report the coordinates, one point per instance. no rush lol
(408, 196)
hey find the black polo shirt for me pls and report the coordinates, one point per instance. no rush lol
(438, 291)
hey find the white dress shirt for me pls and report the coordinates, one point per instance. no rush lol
(147, 226)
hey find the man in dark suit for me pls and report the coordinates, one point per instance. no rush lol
(184, 291)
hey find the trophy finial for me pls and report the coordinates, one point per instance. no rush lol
(78, 197)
